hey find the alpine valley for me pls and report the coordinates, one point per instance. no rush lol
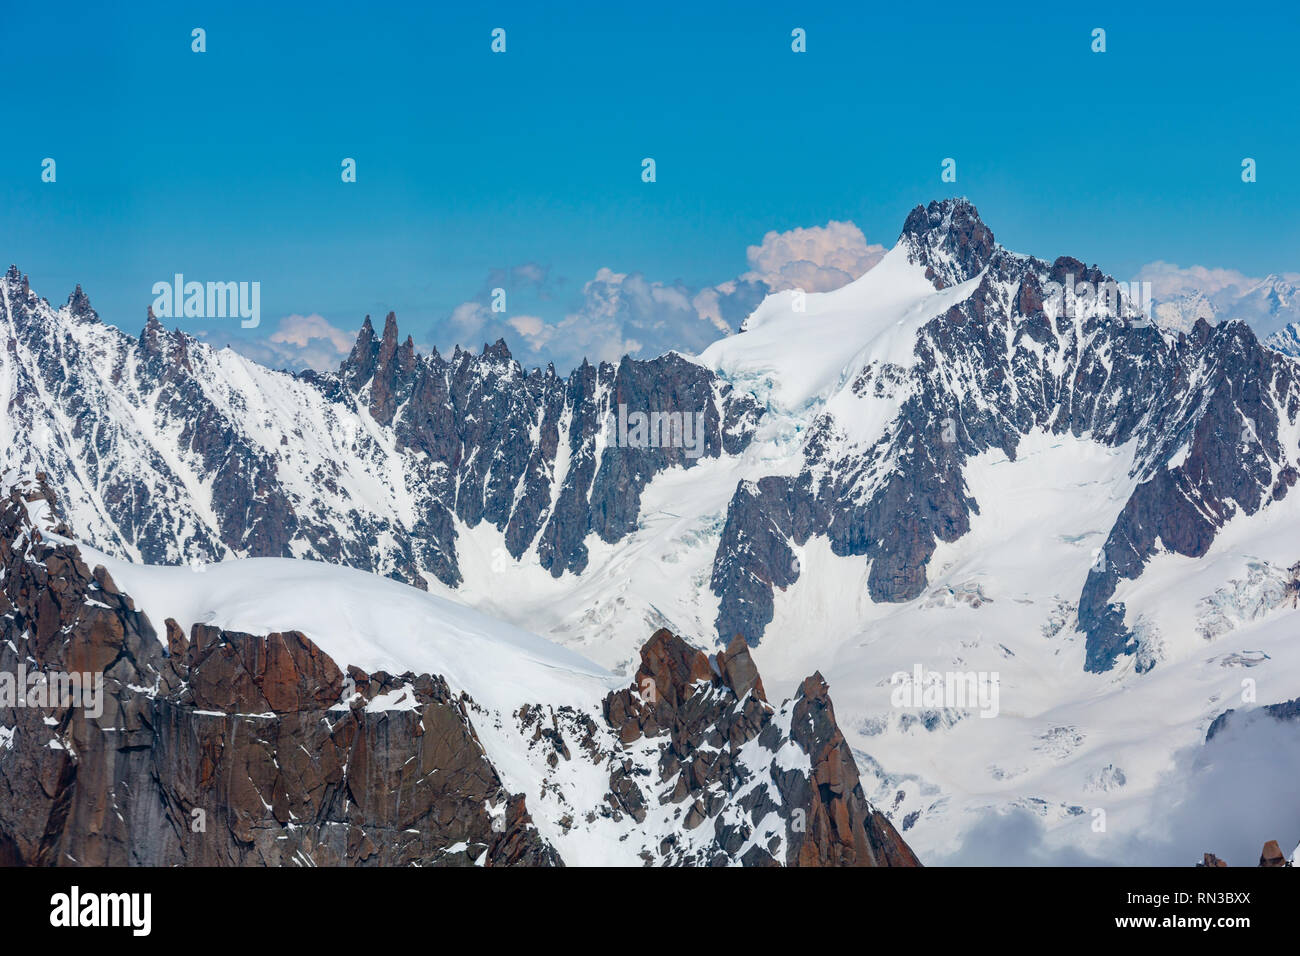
(435, 609)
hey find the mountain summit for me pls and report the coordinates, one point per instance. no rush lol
(949, 240)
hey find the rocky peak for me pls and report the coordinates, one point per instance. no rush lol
(165, 352)
(728, 764)
(367, 332)
(738, 671)
(388, 343)
(843, 829)
(391, 372)
(18, 281)
(359, 366)
(1270, 856)
(497, 351)
(79, 306)
(672, 667)
(949, 239)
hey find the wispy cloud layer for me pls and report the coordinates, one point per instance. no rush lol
(1185, 293)
(629, 313)
(300, 342)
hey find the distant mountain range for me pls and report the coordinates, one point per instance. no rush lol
(1270, 305)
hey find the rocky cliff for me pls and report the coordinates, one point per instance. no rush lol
(219, 748)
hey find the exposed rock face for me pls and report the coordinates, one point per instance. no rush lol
(721, 751)
(229, 750)
(221, 748)
(950, 240)
(370, 467)
(845, 830)
(1287, 710)
(1271, 855)
(1206, 410)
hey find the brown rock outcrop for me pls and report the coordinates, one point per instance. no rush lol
(707, 716)
(224, 748)
(843, 830)
(1272, 855)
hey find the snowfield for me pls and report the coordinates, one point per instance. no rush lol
(791, 358)
(378, 624)
(1075, 767)
(1027, 785)
(365, 620)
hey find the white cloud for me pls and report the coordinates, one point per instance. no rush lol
(626, 312)
(815, 259)
(469, 317)
(534, 330)
(529, 272)
(1227, 796)
(299, 342)
(1168, 280)
(1183, 294)
(303, 330)
(709, 304)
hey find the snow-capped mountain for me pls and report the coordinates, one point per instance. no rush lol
(1286, 340)
(1272, 301)
(977, 362)
(869, 400)
(168, 451)
(394, 727)
(952, 461)
(1269, 305)
(1180, 313)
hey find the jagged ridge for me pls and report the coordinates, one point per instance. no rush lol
(224, 748)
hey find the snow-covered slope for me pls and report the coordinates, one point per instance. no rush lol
(1026, 784)
(1286, 340)
(796, 350)
(939, 464)
(368, 621)
(737, 777)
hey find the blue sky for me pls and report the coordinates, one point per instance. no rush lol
(225, 165)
